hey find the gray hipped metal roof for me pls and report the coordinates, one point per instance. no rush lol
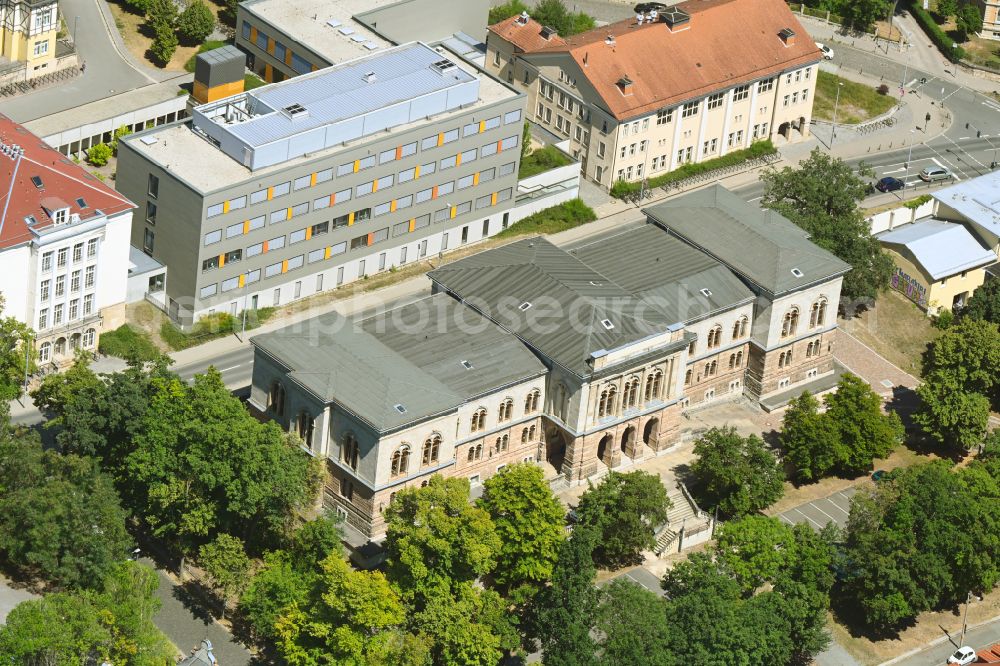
(762, 246)
(941, 248)
(568, 309)
(411, 356)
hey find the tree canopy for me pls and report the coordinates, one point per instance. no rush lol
(822, 197)
(14, 338)
(196, 22)
(625, 509)
(551, 13)
(737, 474)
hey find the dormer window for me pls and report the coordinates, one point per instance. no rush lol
(61, 216)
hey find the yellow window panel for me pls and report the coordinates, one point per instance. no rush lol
(458, 159)
(222, 260)
(326, 255)
(392, 206)
(482, 126)
(243, 280)
(225, 206)
(270, 193)
(475, 178)
(454, 211)
(493, 199)
(246, 226)
(284, 266)
(350, 219)
(357, 165)
(440, 138)
(288, 213)
(312, 180)
(413, 224)
(375, 185)
(309, 233)
(416, 172)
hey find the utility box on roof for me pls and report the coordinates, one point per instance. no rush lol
(218, 73)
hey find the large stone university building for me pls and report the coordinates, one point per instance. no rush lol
(581, 358)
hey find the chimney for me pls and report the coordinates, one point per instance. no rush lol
(624, 85)
(547, 32)
(522, 18)
(609, 40)
(675, 18)
(787, 36)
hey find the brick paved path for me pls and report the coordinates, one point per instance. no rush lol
(866, 363)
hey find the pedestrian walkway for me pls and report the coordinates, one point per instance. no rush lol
(868, 364)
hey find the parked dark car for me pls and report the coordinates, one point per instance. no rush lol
(889, 184)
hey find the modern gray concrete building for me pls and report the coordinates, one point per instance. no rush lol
(278, 193)
(284, 39)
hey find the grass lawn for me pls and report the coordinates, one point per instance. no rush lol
(541, 160)
(896, 328)
(251, 81)
(138, 38)
(858, 102)
(209, 45)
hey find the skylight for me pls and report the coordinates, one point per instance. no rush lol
(706, 292)
(37, 182)
(466, 364)
(400, 408)
(797, 273)
(524, 306)
(81, 202)
(606, 323)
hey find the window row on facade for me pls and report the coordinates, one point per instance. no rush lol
(355, 166)
(275, 48)
(81, 278)
(817, 317)
(58, 348)
(66, 312)
(607, 400)
(61, 258)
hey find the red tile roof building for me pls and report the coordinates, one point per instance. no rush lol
(63, 245)
(639, 98)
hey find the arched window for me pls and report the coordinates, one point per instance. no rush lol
(732, 361)
(304, 427)
(630, 395)
(506, 410)
(711, 368)
(502, 443)
(431, 450)
(88, 338)
(524, 436)
(739, 359)
(400, 461)
(740, 328)
(45, 352)
(715, 337)
(531, 433)
(606, 402)
(478, 419)
(785, 359)
(715, 367)
(817, 315)
(476, 452)
(74, 341)
(60, 347)
(653, 381)
(276, 398)
(531, 402)
(472, 453)
(790, 323)
(349, 451)
(688, 376)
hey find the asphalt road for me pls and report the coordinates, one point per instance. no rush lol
(977, 639)
(107, 72)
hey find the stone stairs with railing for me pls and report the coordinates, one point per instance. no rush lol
(684, 521)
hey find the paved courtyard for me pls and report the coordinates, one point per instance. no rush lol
(10, 597)
(818, 513)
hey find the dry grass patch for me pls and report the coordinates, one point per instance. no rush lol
(138, 39)
(895, 328)
(858, 101)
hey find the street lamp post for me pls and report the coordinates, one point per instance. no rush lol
(909, 154)
(836, 104)
(27, 360)
(246, 287)
(76, 20)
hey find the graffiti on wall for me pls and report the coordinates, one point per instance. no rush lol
(914, 291)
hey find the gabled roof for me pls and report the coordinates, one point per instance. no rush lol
(526, 35)
(41, 182)
(941, 248)
(410, 356)
(760, 245)
(726, 43)
(977, 199)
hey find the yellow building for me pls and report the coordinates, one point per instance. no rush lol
(28, 30)
(938, 263)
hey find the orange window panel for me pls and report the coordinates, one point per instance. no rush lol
(499, 146)
(434, 192)
(288, 57)
(265, 247)
(458, 159)
(253, 35)
(333, 199)
(371, 239)
(270, 45)
(284, 266)
(270, 193)
(413, 224)
(440, 138)
(399, 152)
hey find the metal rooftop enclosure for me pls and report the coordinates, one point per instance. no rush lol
(332, 106)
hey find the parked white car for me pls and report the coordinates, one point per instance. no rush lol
(963, 656)
(827, 51)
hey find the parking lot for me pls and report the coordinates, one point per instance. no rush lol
(818, 513)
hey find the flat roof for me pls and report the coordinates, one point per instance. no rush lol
(978, 199)
(941, 248)
(329, 29)
(206, 168)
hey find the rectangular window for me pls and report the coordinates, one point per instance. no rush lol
(321, 203)
(362, 214)
(507, 169)
(252, 276)
(153, 186)
(510, 142)
(765, 85)
(324, 175)
(234, 230)
(364, 189)
(88, 304)
(470, 129)
(442, 215)
(715, 101)
(446, 188)
(74, 282)
(422, 221)
(74, 309)
(258, 196)
(209, 291)
(319, 229)
(463, 208)
(380, 235)
(428, 169)
(484, 202)
(492, 123)
(237, 203)
(296, 262)
(57, 314)
(296, 236)
(505, 194)
(340, 221)
(272, 270)
(449, 162)
(487, 174)
(92, 248)
(600, 149)
(465, 181)
(262, 40)
(690, 109)
(213, 237)
(511, 116)
(301, 65)
(342, 196)
(786, 100)
(255, 223)
(404, 202)
(254, 250)
(424, 195)
(302, 182)
(246, 30)
(387, 156)
(408, 175)
(386, 181)
(300, 209)
(317, 255)
(359, 241)
(279, 216)
(450, 135)
(339, 248)
(230, 284)
(488, 149)
(366, 162)
(210, 264)
(429, 142)
(276, 243)
(214, 210)
(345, 169)
(281, 190)
(382, 209)
(401, 229)
(664, 116)
(741, 93)
(280, 51)
(151, 212)
(408, 149)
(78, 253)
(43, 292)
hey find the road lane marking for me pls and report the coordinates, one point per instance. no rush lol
(230, 368)
(971, 156)
(837, 506)
(993, 106)
(824, 512)
(803, 514)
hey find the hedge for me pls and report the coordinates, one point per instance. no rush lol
(757, 149)
(937, 35)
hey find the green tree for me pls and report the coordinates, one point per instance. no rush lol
(968, 352)
(100, 154)
(525, 140)
(57, 397)
(946, 8)
(822, 197)
(138, 6)
(755, 549)
(633, 623)
(864, 432)
(276, 587)
(529, 521)
(128, 602)
(562, 615)
(505, 11)
(436, 539)
(226, 563)
(120, 134)
(985, 303)
(950, 415)
(554, 14)
(809, 439)
(59, 629)
(196, 22)
(739, 475)
(466, 627)
(163, 47)
(15, 339)
(625, 509)
(862, 14)
(317, 539)
(59, 515)
(161, 14)
(969, 19)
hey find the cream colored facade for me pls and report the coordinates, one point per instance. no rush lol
(991, 19)
(778, 107)
(28, 32)
(929, 294)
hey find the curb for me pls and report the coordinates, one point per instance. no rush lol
(115, 36)
(935, 642)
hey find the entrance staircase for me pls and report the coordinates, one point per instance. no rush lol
(686, 524)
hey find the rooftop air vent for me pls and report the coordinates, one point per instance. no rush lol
(787, 36)
(595, 283)
(547, 32)
(296, 110)
(797, 273)
(400, 408)
(675, 17)
(370, 77)
(466, 364)
(524, 306)
(148, 140)
(443, 66)
(333, 23)
(37, 182)
(606, 323)
(609, 40)
(706, 292)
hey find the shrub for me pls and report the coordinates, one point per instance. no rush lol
(913, 204)
(944, 320)
(883, 89)
(196, 22)
(164, 44)
(211, 327)
(541, 160)
(566, 215)
(940, 38)
(99, 155)
(128, 343)
(756, 149)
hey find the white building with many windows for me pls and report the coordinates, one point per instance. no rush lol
(64, 246)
